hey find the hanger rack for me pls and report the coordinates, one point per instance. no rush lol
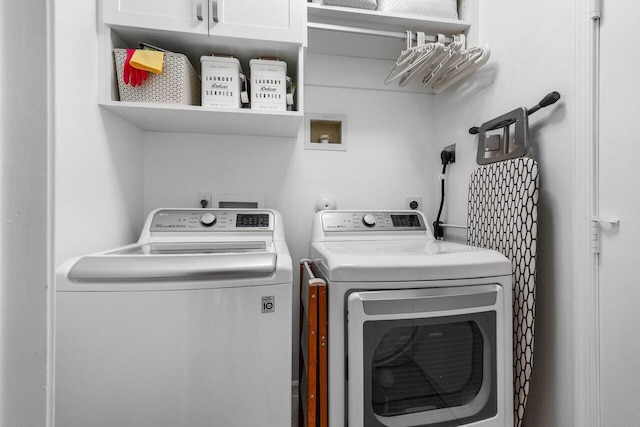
(370, 32)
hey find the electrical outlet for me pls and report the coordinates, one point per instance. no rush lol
(204, 199)
(413, 202)
(451, 149)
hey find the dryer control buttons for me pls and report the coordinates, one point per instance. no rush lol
(369, 220)
(208, 219)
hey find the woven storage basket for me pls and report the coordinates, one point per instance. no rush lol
(178, 83)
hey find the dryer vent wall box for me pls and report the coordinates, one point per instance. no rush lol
(402, 305)
(126, 317)
(232, 201)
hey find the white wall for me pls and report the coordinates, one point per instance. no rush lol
(24, 170)
(387, 157)
(533, 53)
(384, 162)
(99, 157)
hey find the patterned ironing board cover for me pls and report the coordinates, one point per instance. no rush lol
(503, 215)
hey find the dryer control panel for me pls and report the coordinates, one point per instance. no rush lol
(364, 221)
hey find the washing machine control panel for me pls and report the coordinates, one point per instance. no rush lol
(367, 221)
(211, 220)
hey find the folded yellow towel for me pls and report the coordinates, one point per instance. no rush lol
(148, 60)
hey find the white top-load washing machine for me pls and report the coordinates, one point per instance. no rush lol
(189, 327)
(419, 330)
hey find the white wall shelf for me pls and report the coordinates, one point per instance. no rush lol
(196, 119)
(368, 45)
(244, 45)
(373, 19)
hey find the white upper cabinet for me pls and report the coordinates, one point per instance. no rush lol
(275, 20)
(189, 16)
(279, 20)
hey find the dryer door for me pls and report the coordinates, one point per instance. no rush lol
(425, 357)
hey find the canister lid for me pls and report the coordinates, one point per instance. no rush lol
(216, 58)
(274, 62)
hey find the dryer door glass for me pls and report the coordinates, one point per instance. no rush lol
(441, 370)
(427, 366)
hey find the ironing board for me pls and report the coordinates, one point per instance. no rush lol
(503, 215)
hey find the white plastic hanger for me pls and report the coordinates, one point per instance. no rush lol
(450, 56)
(429, 55)
(438, 65)
(468, 62)
(404, 61)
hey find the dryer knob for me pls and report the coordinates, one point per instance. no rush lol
(369, 220)
(208, 219)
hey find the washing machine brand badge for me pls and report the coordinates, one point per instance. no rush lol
(269, 304)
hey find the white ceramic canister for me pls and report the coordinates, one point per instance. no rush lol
(223, 84)
(268, 84)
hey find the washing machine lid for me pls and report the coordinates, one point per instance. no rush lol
(178, 260)
(392, 261)
(181, 249)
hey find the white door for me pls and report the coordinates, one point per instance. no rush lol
(619, 198)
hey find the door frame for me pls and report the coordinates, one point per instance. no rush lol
(585, 273)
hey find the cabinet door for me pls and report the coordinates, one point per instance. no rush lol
(173, 15)
(278, 20)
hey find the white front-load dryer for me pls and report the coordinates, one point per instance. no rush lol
(419, 330)
(189, 327)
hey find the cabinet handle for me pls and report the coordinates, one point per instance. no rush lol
(199, 9)
(214, 10)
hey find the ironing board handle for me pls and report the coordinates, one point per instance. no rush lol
(550, 98)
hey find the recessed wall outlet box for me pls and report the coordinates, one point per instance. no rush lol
(238, 201)
(204, 199)
(413, 202)
(325, 132)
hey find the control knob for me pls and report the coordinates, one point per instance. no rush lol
(208, 219)
(369, 220)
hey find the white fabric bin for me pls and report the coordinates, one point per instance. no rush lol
(360, 4)
(447, 9)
